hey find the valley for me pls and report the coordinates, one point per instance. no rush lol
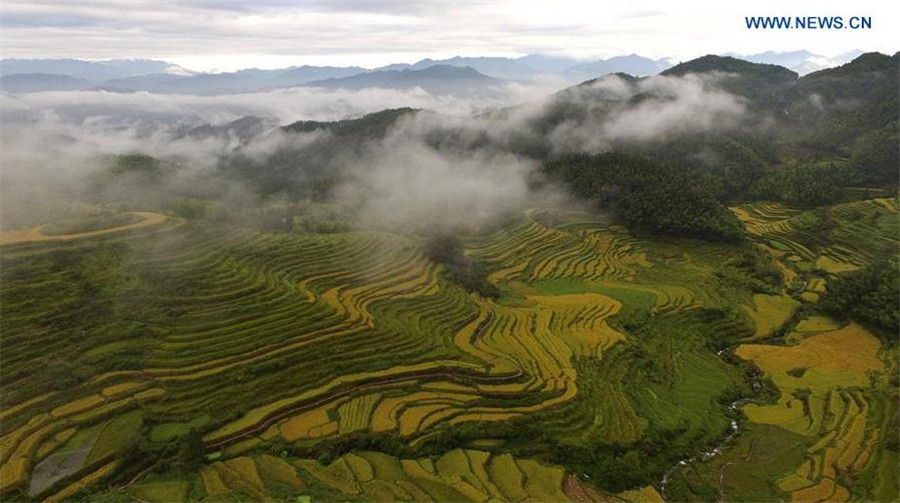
(681, 287)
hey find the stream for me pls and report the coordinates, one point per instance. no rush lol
(704, 456)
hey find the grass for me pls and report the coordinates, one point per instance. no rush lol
(833, 266)
(770, 312)
(170, 431)
(816, 324)
(886, 487)
(161, 492)
(117, 435)
(647, 494)
(761, 454)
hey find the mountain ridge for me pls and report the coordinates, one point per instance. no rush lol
(130, 75)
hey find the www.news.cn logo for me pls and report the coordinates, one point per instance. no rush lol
(808, 22)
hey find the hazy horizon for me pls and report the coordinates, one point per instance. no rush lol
(211, 36)
(298, 64)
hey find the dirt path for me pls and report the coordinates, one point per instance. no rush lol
(722, 482)
(36, 234)
(572, 488)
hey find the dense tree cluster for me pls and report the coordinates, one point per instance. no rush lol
(807, 184)
(870, 295)
(740, 77)
(753, 269)
(463, 271)
(875, 157)
(371, 126)
(831, 110)
(731, 163)
(648, 195)
(134, 163)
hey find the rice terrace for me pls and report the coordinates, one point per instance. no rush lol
(423, 283)
(598, 338)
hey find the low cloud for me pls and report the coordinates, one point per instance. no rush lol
(408, 183)
(657, 108)
(690, 104)
(456, 164)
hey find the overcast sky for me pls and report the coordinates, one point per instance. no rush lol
(212, 35)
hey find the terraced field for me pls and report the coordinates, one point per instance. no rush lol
(458, 475)
(823, 381)
(825, 241)
(276, 347)
(145, 219)
(833, 379)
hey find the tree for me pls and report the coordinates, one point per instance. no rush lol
(649, 195)
(869, 295)
(876, 158)
(463, 271)
(192, 450)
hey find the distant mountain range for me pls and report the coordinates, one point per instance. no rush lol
(802, 62)
(453, 75)
(437, 79)
(36, 82)
(94, 71)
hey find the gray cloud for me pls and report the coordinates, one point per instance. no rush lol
(46, 21)
(231, 35)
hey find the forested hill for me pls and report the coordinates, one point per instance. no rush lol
(751, 80)
(847, 110)
(804, 141)
(728, 64)
(371, 126)
(823, 132)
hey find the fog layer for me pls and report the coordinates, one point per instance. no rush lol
(52, 141)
